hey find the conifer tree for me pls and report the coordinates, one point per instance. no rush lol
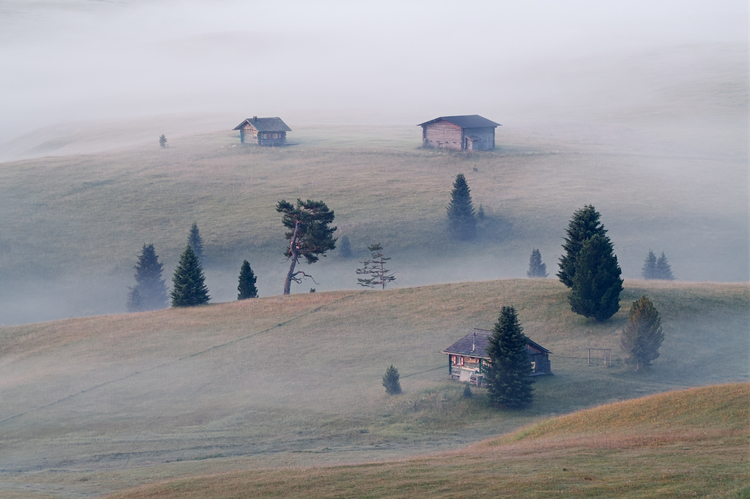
(480, 213)
(537, 269)
(345, 247)
(391, 381)
(310, 234)
(247, 280)
(596, 282)
(583, 225)
(642, 336)
(649, 267)
(134, 304)
(375, 269)
(507, 375)
(149, 292)
(195, 241)
(663, 269)
(188, 283)
(163, 141)
(461, 220)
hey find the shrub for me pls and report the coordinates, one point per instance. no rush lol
(390, 381)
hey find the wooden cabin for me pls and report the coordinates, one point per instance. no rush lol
(467, 358)
(263, 131)
(468, 133)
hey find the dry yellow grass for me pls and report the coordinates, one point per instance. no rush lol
(629, 449)
(104, 403)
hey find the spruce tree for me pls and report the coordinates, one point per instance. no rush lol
(345, 248)
(391, 381)
(188, 283)
(583, 225)
(150, 292)
(134, 304)
(642, 336)
(507, 375)
(596, 282)
(196, 242)
(663, 270)
(162, 141)
(461, 220)
(537, 269)
(247, 280)
(649, 267)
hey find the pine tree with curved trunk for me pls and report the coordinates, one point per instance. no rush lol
(461, 221)
(537, 269)
(584, 225)
(642, 336)
(507, 375)
(596, 282)
(649, 267)
(195, 241)
(663, 269)
(310, 235)
(149, 292)
(188, 283)
(246, 285)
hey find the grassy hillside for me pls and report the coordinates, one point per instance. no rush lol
(102, 403)
(656, 446)
(72, 226)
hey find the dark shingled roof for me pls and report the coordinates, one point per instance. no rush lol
(466, 121)
(464, 345)
(265, 124)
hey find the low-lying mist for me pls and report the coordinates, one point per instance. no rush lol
(639, 109)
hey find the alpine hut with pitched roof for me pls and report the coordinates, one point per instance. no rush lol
(468, 359)
(469, 133)
(263, 131)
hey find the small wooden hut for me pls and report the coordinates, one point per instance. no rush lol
(469, 133)
(263, 131)
(467, 358)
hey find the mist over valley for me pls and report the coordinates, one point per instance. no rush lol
(639, 109)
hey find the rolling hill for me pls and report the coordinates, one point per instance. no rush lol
(99, 404)
(691, 442)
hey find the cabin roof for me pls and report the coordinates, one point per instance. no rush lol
(265, 124)
(471, 348)
(465, 121)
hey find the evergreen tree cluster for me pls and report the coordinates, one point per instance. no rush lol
(654, 268)
(590, 268)
(462, 223)
(507, 375)
(642, 336)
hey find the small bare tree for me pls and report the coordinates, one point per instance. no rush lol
(375, 269)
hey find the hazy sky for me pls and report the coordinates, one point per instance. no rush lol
(314, 61)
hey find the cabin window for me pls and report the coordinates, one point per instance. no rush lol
(533, 366)
(457, 361)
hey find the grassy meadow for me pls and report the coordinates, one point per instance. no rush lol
(684, 443)
(72, 225)
(100, 404)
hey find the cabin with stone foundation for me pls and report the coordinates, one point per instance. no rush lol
(263, 131)
(468, 359)
(467, 133)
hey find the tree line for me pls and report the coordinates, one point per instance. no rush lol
(188, 282)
